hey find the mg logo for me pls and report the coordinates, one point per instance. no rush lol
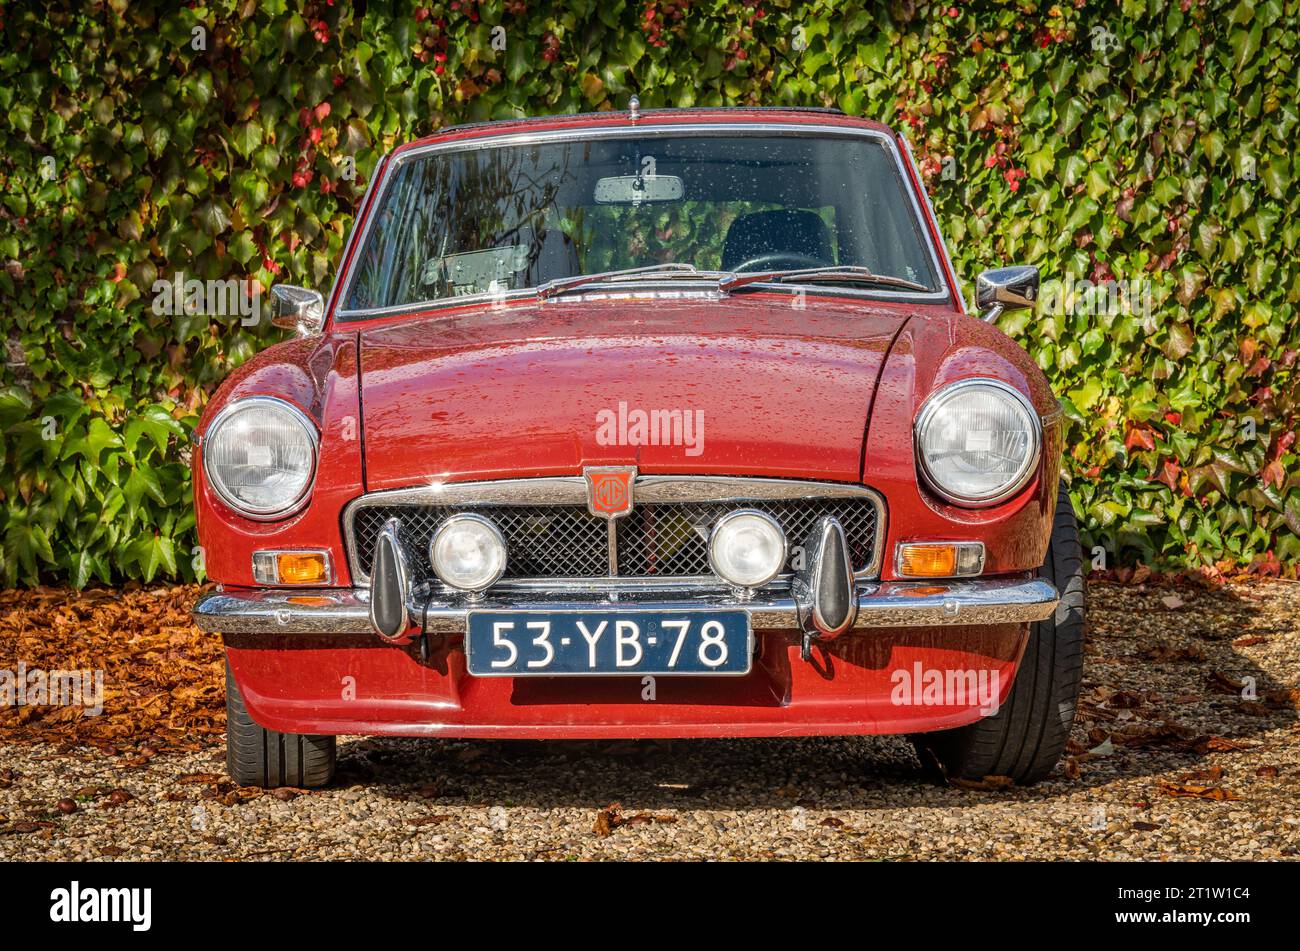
(609, 490)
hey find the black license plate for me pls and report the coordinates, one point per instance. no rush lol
(623, 642)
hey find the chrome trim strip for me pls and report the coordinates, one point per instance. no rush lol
(624, 131)
(611, 546)
(269, 611)
(880, 605)
(943, 244)
(572, 490)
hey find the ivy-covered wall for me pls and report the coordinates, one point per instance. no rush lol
(1141, 153)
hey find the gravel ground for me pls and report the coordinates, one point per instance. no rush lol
(1168, 761)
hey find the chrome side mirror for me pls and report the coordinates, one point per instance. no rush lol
(1005, 288)
(297, 309)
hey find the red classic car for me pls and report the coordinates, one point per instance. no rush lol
(644, 424)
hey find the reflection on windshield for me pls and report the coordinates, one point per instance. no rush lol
(497, 219)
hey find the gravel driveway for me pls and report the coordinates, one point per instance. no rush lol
(1168, 761)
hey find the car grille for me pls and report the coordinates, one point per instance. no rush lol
(655, 540)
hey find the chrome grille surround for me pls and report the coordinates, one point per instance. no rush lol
(552, 538)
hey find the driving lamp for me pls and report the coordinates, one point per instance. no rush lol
(747, 548)
(468, 552)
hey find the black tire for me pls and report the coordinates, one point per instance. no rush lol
(1027, 735)
(256, 756)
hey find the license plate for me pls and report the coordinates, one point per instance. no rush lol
(607, 643)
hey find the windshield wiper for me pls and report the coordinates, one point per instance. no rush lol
(670, 270)
(848, 273)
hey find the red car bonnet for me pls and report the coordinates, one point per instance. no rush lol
(540, 389)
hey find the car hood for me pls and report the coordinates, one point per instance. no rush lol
(744, 385)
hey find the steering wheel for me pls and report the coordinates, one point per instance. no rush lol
(780, 261)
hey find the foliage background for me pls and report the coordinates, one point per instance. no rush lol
(1159, 148)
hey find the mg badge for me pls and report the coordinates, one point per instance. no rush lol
(609, 490)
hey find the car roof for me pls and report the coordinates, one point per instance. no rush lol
(740, 115)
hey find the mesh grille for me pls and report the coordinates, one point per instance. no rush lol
(671, 539)
(543, 541)
(657, 539)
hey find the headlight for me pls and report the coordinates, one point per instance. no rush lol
(977, 442)
(259, 455)
(468, 552)
(747, 548)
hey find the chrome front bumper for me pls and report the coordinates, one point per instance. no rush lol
(880, 604)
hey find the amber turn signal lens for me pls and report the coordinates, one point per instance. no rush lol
(291, 567)
(927, 561)
(302, 567)
(940, 559)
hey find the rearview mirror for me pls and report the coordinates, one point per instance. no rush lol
(1005, 288)
(297, 308)
(638, 189)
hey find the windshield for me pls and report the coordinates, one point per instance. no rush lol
(500, 218)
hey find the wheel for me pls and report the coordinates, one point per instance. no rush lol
(1027, 735)
(256, 756)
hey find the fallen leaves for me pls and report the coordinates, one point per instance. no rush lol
(1219, 744)
(200, 778)
(1163, 653)
(1220, 682)
(25, 827)
(611, 818)
(162, 678)
(1211, 774)
(987, 784)
(1192, 791)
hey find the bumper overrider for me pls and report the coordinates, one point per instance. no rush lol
(822, 601)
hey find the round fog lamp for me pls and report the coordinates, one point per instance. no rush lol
(468, 552)
(747, 548)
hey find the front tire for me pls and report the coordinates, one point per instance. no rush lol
(1027, 735)
(256, 756)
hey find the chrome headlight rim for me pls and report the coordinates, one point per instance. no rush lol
(732, 516)
(935, 402)
(238, 506)
(447, 524)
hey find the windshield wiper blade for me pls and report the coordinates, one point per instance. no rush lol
(562, 284)
(851, 273)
